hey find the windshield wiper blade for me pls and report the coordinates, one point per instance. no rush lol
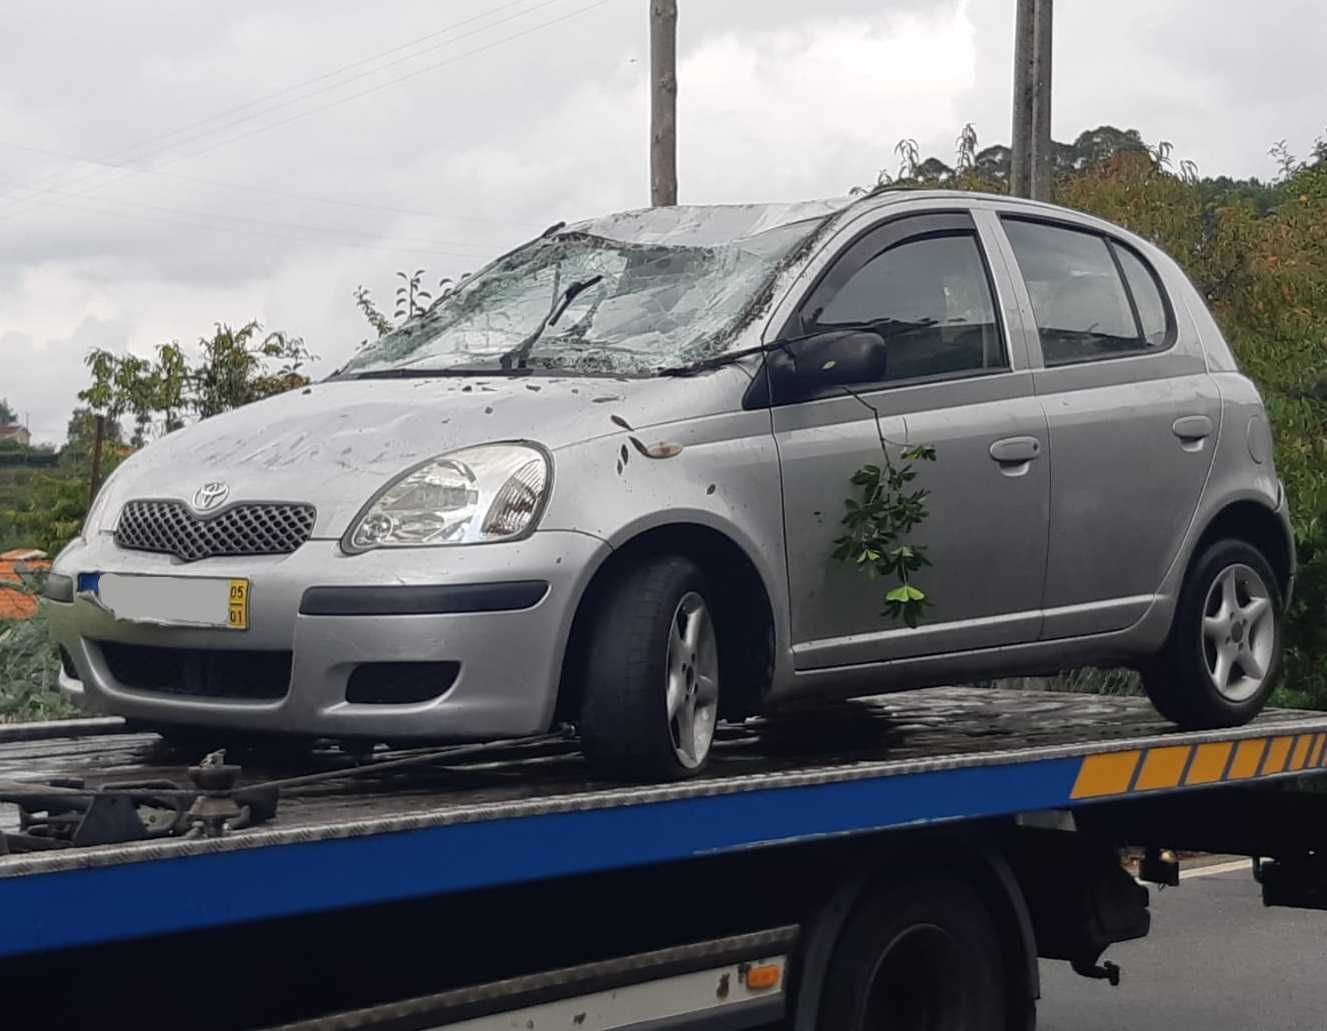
(518, 354)
(719, 360)
(570, 294)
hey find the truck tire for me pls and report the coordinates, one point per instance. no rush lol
(651, 690)
(919, 955)
(1223, 656)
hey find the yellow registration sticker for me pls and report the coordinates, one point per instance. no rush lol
(238, 611)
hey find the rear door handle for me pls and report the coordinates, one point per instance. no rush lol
(1016, 450)
(1192, 427)
(1192, 431)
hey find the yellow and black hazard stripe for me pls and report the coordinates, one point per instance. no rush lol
(1162, 767)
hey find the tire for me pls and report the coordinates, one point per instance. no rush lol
(1230, 603)
(920, 955)
(646, 682)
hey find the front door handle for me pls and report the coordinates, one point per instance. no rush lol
(1015, 450)
(1192, 427)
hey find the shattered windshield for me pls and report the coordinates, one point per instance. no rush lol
(581, 302)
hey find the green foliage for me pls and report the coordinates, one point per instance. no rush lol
(7, 415)
(412, 300)
(29, 667)
(13, 453)
(381, 324)
(886, 510)
(235, 368)
(44, 507)
(80, 434)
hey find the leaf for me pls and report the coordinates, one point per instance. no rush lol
(905, 593)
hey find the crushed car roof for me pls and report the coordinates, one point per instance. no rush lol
(705, 225)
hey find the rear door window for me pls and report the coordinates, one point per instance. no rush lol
(1092, 298)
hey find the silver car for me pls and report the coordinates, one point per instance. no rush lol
(601, 483)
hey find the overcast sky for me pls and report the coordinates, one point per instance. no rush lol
(261, 159)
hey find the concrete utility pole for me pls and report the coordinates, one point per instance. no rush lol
(1031, 162)
(663, 102)
(1043, 161)
(1020, 161)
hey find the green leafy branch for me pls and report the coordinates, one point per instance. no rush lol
(886, 509)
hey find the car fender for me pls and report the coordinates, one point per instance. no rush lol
(719, 472)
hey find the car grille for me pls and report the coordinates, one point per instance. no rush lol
(199, 672)
(171, 528)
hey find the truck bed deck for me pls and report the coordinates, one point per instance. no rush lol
(526, 812)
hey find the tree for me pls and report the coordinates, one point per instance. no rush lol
(235, 368)
(82, 430)
(7, 415)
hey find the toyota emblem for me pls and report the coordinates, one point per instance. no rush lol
(210, 496)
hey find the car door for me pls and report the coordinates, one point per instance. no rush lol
(1132, 413)
(923, 282)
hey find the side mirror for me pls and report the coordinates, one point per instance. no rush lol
(803, 368)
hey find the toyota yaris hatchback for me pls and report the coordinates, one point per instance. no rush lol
(600, 484)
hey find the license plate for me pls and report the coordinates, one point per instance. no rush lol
(174, 600)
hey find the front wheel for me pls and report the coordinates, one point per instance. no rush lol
(1224, 653)
(651, 694)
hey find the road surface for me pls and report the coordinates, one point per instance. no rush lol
(1216, 960)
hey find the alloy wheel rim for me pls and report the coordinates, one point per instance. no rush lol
(692, 681)
(1238, 632)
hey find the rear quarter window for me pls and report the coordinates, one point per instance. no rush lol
(1152, 312)
(1093, 297)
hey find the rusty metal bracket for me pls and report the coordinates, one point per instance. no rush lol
(66, 813)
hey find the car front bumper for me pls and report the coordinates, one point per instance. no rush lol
(332, 614)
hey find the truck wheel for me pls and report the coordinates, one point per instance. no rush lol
(651, 693)
(921, 955)
(1224, 652)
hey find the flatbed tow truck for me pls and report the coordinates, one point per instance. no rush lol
(900, 861)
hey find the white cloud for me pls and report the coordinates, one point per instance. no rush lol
(814, 109)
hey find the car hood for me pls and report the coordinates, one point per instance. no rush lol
(336, 443)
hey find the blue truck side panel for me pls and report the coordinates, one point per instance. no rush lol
(91, 905)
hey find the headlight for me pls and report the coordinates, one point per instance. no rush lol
(493, 492)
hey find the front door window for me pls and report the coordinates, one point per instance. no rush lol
(927, 296)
